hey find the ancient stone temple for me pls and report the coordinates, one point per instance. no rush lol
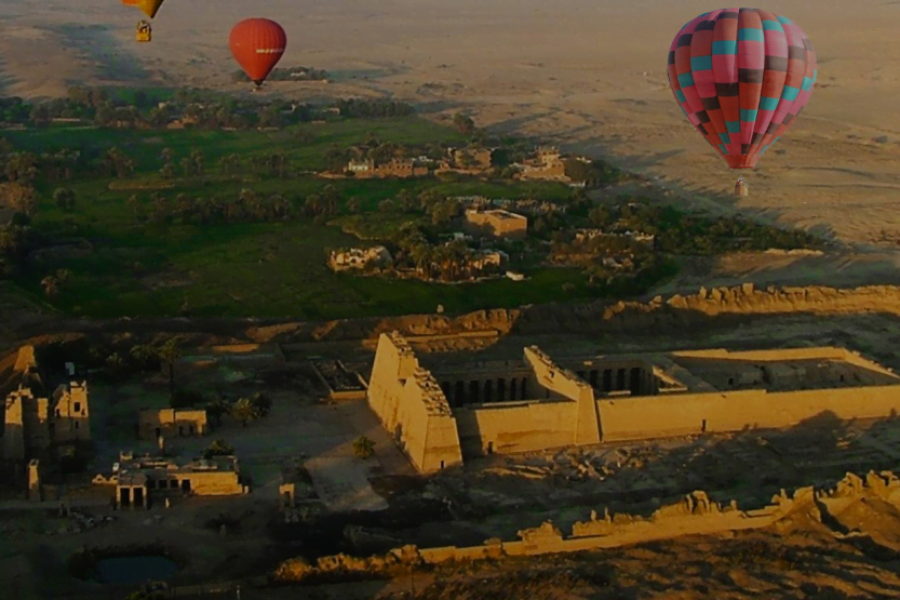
(439, 414)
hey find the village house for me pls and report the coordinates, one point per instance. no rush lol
(361, 167)
(169, 422)
(486, 259)
(35, 421)
(496, 223)
(548, 166)
(396, 167)
(359, 258)
(471, 160)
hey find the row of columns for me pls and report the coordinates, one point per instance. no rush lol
(501, 389)
(635, 379)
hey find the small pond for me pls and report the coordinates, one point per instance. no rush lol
(126, 570)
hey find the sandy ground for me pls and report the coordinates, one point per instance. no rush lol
(589, 74)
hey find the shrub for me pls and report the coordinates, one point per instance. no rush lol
(218, 448)
(363, 447)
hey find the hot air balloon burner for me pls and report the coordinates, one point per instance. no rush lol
(741, 189)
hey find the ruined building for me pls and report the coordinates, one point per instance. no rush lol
(137, 479)
(36, 421)
(443, 414)
(170, 422)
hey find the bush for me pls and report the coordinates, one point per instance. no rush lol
(363, 447)
(262, 403)
(218, 448)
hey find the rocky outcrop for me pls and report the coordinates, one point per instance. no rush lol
(676, 313)
(673, 313)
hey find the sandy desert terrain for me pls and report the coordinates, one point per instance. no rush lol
(590, 75)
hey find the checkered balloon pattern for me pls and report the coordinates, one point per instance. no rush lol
(741, 76)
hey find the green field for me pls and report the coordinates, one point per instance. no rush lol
(249, 270)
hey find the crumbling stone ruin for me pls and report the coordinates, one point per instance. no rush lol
(695, 514)
(440, 415)
(136, 480)
(37, 421)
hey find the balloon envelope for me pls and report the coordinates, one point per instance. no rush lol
(257, 45)
(742, 76)
(149, 7)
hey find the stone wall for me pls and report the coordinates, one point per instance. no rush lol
(695, 514)
(516, 426)
(412, 407)
(651, 417)
(561, 408)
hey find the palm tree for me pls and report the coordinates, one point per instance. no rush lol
(330, 197)
(216, 409)
(182, 205)
(65, 198)
(197, 160)
(186, 165)
(421, 256)
(134, 203)
(170, 352)
(244, 411)
(160, 207)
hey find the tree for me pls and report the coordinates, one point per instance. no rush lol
(216, 409)
(197, 161)
(145, 358)
(354, 206)
(134, 203)
(168, 170)
(169, 353)
(421, 256)
(166, 156)
(64, 198)
(330, 199)
(443, 212)
(465, 124)
(187, 165)
(244, 411)
(218, 448)
(262, 403)
(363, 447)
(230, 164)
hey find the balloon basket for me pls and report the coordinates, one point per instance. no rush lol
(741, 189)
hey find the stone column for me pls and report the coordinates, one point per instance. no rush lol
(34, 481)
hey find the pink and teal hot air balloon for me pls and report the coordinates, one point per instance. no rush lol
(742, 76)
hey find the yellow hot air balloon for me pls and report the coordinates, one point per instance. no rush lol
(150, 7)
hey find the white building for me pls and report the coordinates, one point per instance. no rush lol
(359, 258)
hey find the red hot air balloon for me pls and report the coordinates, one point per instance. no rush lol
(742, 76)
(257, 46)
